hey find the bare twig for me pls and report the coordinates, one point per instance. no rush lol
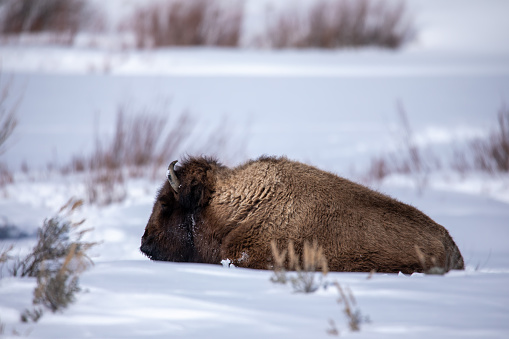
(353, 314)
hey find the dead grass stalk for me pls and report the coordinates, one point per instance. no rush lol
(339, 24)
(8, 124)
(492, 154)
(304, 265)
(486, 154)
(60, 17)
(350, 310)
(188, 23)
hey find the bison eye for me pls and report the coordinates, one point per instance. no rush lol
(165, 207)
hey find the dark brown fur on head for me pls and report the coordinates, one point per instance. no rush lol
(234, 213)
(169, 233)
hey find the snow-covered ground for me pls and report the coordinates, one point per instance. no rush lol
(334, 109)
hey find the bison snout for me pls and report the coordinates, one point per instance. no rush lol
(146, 250)
(146, 247)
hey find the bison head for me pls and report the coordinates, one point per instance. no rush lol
(172, 226)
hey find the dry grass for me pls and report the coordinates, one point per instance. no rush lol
(58, 237)
(133, 143)
(188, 23)
(105, 186)
(487, 154)
(8, 113)
(8, 124)
(285, 29)
(322, 24)
(5, 256)
(6, 176)
(56, 290)
(279, 264)
(492, 154)
(56, 261)
(63, 18)
(141, 146)
(350, 310)
(410, 159)
(304, 265)
(339, 24)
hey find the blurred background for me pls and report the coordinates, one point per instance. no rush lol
(368, 89)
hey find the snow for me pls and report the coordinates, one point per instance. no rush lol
(146, 299)
(333, 109)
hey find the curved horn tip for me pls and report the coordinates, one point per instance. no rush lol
(171, 168)
(172, 164)
(172, 177)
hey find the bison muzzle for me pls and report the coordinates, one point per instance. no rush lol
(206, 212)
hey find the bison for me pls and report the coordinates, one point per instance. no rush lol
(206, 212)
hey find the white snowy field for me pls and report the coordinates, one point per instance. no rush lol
(333, 109)
(126, 295)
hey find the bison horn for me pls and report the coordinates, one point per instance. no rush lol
(172, 177)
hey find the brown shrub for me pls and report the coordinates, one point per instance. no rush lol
(492, 154)
(56, 260)
(63, 17)
(58, 237)
(488, 154)
(142, 144)
(409, 160)
(139, 143)
(340, 23)
(142, 139)
(188, 23)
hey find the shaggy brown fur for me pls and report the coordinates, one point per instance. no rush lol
(234, 213)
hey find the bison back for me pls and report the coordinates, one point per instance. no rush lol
(358, 228)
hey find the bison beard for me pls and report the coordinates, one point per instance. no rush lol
(206, 212)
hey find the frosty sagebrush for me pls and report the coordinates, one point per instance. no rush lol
(56, 261)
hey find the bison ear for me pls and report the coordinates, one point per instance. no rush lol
(196, 188)
(194, 196)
